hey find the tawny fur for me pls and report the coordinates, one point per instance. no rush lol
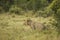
(34, 25)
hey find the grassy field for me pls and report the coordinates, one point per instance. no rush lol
(12, 28)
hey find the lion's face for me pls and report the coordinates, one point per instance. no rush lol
(27, 22)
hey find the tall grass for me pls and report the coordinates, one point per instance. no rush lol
(12, 28)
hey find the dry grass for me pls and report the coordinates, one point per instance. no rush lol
(12, 28)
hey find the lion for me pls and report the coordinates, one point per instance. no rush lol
(34, 25)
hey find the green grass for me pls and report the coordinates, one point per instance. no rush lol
(12, 28)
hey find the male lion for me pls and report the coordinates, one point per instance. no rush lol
(34, 25)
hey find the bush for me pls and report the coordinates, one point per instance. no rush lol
(44, 14)
(58, 20)
(16, 10)
(1, 10)
(58, 12)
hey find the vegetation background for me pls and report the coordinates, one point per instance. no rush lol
(13, 12)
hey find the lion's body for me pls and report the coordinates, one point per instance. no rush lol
(35, 25)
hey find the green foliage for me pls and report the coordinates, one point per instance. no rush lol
(1, 10)
(45, 13)
(32, 4)
(16, 10)
(5, 4)
(57, 15)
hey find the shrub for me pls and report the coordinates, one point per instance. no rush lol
(16, 10)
